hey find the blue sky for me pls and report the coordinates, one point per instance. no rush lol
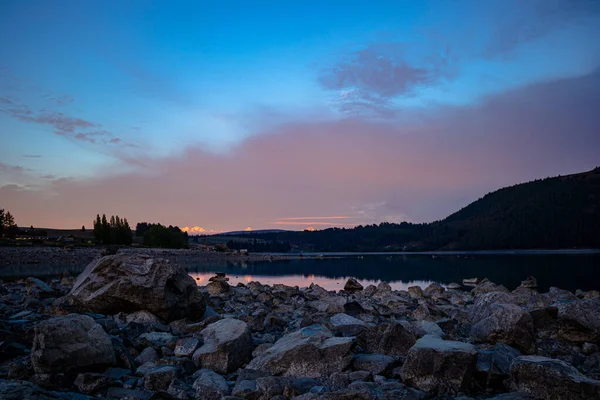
(100, 91)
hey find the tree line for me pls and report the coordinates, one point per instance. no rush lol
(157, 235)
(8, 226)
(260, 246)
(116, 231)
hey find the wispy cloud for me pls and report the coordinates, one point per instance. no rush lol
(31, 156)
(367, 80)
(63, 124)
(11, 168)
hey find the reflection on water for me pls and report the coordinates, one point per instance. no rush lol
(304, 280)
(567, 271)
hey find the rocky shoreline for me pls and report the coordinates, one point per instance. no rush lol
(136, 327)
(81, 256)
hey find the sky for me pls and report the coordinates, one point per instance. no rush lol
(230, 115)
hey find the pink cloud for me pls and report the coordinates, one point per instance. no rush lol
(369, 170)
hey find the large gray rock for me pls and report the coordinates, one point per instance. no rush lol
(311, 352)
(390, 339)
(434, 290)
(493, 365)
(352, 285)
(218, 287)
(550, 379)
(482, 306)
(129, 283)
(227, 346)
(210, 385)
(486, 286)
(557, 295)
(496, 318)
(160, 378)
(346, 325)
(69, 344)
(579, 321)
(439, 366)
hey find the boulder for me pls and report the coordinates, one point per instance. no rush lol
(370, 290)
(129, 283)
(496, 318)
(218, 287)
(246, 389)
(352, 286)
(179, 390)
(383, 287)
(439, 366)
(311, 352)
(434, 290)
(493, 365)
(471, 281)
(558, 295)
(160, 378)
(210, 385)
(148, 355)
(529, 283)
(186, 347)
(507, 323)
(486, 286)
(345, 325)
(550, 379)
(391, 339)
(71, 343)
(579, 321)
(227, 346)
(143, 317)
(415, 292)
(270, 386)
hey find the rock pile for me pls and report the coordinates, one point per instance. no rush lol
(133, 327)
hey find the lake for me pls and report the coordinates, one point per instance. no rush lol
(567, 271)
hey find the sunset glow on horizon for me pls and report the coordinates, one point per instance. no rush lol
(228, 117)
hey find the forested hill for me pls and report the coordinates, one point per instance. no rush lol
(561, 212)
(553, 213)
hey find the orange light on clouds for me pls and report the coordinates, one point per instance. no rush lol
(248, 229)
(197, 230)
(248, 278)
(194, 229)
(310, 229)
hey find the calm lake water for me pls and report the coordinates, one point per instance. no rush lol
(567, 271)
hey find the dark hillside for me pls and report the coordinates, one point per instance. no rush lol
(552, 213)
(560, 212)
